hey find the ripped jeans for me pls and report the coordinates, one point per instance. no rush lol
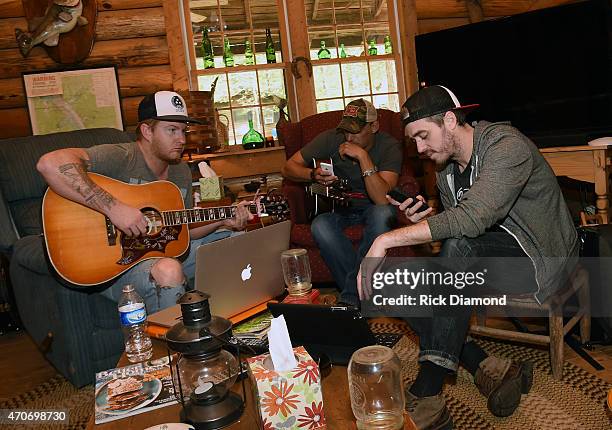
(158, 297)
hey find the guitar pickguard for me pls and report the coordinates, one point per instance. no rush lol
(134, 248)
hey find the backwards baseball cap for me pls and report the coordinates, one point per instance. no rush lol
(164, 106)
(430, 101)
(356, 115)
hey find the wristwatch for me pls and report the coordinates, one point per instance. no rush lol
(369, 172)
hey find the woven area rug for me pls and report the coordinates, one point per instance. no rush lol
(576, 402)
(56, 393)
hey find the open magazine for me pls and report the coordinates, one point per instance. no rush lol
(133, 389)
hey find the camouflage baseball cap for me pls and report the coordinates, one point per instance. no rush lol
(356, 115)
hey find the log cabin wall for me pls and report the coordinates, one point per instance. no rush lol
(129, 33)
(132, 34)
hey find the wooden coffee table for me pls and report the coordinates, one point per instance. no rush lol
(336, 403)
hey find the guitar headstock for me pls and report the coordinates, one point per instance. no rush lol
(273, 205)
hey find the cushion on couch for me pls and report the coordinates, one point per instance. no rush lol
(21, 185)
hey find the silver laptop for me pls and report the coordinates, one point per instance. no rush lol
(239, 272)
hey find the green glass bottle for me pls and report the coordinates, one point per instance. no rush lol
(342, 51)
(228, 56)
(372, 50)
(270, 50)
(249, 58)
(207, 50)
(388, 46)
(323, 53)
(252, 138)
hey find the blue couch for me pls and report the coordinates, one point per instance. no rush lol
(77, 329)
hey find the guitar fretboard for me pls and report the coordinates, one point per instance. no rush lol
(189, 216)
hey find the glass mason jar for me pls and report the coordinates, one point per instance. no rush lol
(296, 271)
(376, 389)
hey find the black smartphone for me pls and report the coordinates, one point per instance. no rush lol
(400, 197)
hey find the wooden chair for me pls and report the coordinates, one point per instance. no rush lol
(578, 285)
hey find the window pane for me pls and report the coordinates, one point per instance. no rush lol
(352, 38)
(374, 10)
(384, 77)
(327, 81)
(264, 14)
(327, 105)
(377, 34)
(234, 16)
(355, 78)
(270, 117)
(271, 83)
(203, 14)
(347, 11)
(243, 88)
(319, 12)
(319, 36)
(221, 95)
(387, 101)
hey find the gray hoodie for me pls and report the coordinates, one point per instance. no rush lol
(514, 186)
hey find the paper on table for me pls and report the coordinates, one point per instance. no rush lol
(281, 350)
(205, 170)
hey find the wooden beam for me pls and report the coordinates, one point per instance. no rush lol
(474, 9)
(174, 37)
(408, 30)
(304, 86)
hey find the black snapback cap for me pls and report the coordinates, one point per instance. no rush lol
(430, 101)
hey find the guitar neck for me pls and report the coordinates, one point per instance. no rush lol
(195, 215)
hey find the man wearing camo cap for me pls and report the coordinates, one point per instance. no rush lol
(371, 162)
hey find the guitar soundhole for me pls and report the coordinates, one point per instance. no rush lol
(154, 221)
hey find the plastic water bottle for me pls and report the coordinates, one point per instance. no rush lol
(133, 315)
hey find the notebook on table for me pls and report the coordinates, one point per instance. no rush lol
(335, 331)
(239, 273)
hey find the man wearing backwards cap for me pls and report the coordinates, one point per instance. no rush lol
(156, 155)
(501, 199)
(371, 161)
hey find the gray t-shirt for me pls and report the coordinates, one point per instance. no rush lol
(386, 154)
(125, 162)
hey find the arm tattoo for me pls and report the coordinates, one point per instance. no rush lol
(94, 196)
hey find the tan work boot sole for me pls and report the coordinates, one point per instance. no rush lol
(504, 400)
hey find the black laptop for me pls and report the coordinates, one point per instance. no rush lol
(335, 331)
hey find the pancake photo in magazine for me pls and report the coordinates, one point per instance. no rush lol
(133, 389)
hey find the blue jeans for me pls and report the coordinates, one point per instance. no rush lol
(156, 297)
(442, 336)
(337, 250)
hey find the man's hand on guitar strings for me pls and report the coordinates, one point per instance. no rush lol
(243, 215)
(130, 220)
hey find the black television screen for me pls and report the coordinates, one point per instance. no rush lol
(549, 71)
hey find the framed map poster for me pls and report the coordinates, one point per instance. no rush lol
(73, 100)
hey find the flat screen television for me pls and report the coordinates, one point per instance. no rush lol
(548, 72)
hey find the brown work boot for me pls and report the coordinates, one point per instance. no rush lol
(502, 382)
(428, 413)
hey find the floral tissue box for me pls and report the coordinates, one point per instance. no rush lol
(211, 188)
(290, 399)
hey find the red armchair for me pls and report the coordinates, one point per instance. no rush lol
(294, 136)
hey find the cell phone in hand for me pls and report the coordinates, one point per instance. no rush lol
(400, 197)
(327, 167)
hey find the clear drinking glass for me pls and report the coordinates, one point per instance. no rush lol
(296, 270)
(376, 389)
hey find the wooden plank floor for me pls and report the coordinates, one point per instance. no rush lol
(22, 366)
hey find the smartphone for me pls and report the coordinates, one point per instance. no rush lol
(400, 197)
(327, 167)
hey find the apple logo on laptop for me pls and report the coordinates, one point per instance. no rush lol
(246, 273)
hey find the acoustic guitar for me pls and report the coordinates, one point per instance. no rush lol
(86, 249)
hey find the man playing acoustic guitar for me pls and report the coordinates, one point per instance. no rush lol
(156, 155)
(371, 162)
